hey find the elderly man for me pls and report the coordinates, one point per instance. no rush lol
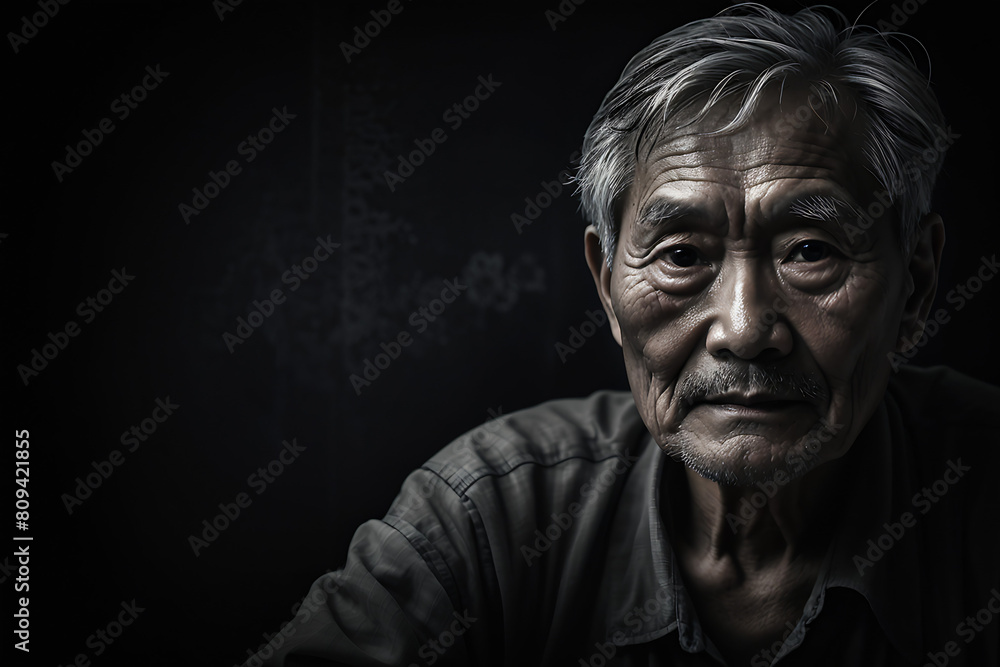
(778, 488)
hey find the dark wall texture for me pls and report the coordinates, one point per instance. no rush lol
(307, 131)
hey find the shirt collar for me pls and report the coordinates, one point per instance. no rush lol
(643, 597)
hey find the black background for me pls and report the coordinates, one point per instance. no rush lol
(494, 349)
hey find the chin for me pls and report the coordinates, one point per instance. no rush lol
(749, 459)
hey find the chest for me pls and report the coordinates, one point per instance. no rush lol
(748, 616)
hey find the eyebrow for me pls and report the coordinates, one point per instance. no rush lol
(661, 210)
(824, 208)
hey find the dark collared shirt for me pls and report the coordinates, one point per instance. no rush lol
(539, 541)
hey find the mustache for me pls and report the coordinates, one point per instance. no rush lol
(749, 380)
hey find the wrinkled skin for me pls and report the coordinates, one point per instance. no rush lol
(743, 324)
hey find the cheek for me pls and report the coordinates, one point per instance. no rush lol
(659, 337)
(658, 330)
(856, 321)
(848, 333)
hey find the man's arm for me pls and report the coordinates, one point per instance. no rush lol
(414, 590)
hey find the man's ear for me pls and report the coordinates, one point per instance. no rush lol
(602, 277)
(923, 276)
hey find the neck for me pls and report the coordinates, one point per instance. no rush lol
(758, 527)
(750, 556)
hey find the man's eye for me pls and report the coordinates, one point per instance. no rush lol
(682, 256)
(810, 251)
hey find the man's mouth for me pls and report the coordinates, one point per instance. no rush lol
(749, 405)
(750, 394)
(761, 401)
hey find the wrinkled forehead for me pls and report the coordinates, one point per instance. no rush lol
(794, 133)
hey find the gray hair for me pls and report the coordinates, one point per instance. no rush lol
(742, 51)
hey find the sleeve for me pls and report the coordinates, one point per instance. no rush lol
(416, 590)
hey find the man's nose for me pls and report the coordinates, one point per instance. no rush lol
(748, 315)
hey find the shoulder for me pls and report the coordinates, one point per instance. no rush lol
(603, 425)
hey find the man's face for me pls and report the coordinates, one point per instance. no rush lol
(748, 301)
